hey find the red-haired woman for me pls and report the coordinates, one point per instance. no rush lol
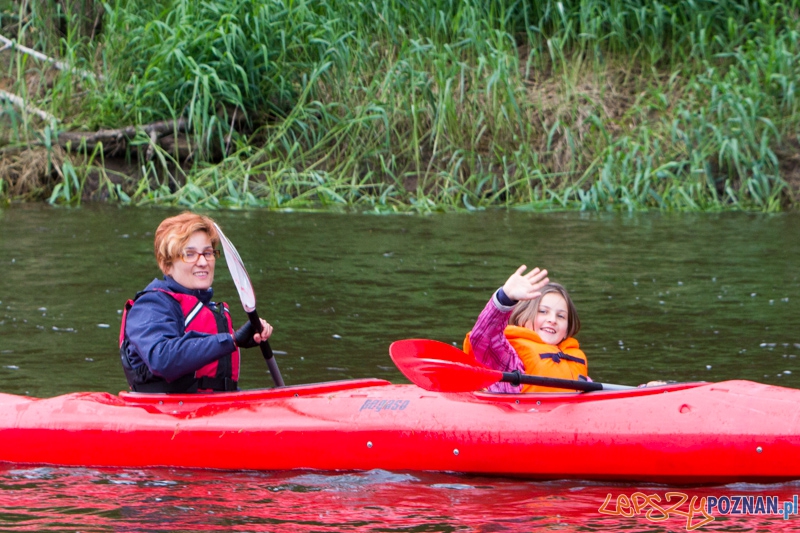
(173, 337)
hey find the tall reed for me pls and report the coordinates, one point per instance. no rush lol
(451, 104)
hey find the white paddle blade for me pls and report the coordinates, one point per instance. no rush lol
(238, 273)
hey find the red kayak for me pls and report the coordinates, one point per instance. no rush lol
(698, 433)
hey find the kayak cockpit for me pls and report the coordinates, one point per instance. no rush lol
(537, 399)
(176, 403)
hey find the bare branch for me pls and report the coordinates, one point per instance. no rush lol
(19, 102)
(38, 55)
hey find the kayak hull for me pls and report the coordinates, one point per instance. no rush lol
(685, 433)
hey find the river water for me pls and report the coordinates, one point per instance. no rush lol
(661, 296)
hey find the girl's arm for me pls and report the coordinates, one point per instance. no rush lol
(488, 340)
(489, 343)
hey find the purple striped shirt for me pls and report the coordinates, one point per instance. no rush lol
(490, 346)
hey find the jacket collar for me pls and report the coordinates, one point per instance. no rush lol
(169, 284)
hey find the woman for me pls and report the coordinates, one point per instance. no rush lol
(173, 337)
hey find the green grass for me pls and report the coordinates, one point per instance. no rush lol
(436, 104)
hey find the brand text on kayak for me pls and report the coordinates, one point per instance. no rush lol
(385, 405)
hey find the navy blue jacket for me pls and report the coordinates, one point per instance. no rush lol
(156, 336)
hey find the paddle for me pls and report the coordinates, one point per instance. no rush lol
(248, 298)
(436, 366)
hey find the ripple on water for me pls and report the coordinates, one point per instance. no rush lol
(85, 499)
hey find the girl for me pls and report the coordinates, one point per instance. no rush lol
(528, 326)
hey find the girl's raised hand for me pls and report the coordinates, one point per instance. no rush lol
(525, 286)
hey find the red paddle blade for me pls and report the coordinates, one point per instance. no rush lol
(436, 366)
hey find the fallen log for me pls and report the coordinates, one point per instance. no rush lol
(115, 141)
(170, 135)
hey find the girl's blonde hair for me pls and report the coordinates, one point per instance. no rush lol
(173, 233)
(526, 310)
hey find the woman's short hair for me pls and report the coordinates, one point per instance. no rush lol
(526, 311)
(173, 233)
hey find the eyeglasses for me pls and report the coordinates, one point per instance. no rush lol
(192, 256)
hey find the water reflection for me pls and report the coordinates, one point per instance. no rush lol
(91, 500)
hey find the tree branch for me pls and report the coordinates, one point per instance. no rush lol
(38, 55)
(19, 102)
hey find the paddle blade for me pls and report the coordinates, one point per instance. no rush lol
(240, 278)
(436, 366)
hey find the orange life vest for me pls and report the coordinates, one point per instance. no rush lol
(565, 361)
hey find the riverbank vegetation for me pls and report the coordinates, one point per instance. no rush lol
(403, 105)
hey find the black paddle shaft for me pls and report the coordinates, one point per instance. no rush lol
(266, 350)
(515, 378)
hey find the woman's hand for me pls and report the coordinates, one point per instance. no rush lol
(266, 332)
(527, 286)
(245, 337)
